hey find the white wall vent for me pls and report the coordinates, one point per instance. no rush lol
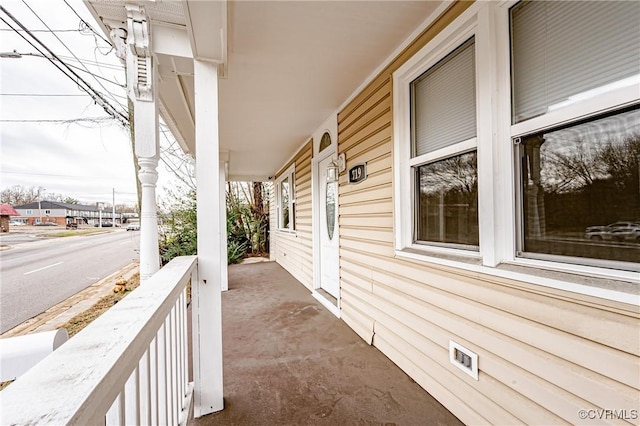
(464, 359)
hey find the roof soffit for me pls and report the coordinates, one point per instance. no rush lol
(290, 66)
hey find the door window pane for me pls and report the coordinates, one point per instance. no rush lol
(325, 142)
(331, 208)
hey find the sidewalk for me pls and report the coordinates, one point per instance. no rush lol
(56, 316)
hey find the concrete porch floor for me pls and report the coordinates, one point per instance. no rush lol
(288, 361)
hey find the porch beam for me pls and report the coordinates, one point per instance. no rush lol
(171, 39)
(206, 292)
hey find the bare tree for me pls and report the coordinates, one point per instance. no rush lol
(179, 163)
(18, 195)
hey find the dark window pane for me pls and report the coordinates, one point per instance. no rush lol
(325, 142)
(447, 210)
(580, 190)
(284, 203)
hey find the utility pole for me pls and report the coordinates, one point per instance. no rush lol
(113, 208)
(40, 205)
(99, 205)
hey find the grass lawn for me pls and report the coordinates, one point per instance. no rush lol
(72, 232)
(83, 319)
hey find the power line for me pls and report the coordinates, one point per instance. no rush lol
(92, 62)
(45, 31)
(54, 175)
(73, 54)
(42, 94)
(95, 95)
(87, 24)
(63, 121)
(85, 69)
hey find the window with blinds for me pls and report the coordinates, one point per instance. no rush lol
(443, 115)
(577, 172)
(443, 102)
(564, 50)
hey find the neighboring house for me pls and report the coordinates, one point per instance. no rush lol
(474, 143)
(64, 213)
(6, 211)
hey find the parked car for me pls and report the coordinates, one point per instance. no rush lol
(631, 233)
(16, 223)
(613, 231)
(46, 224)
(104, 225)
(133, 227)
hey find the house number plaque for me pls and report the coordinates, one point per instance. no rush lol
(358, 173)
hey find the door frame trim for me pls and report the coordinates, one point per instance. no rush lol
(315, 213)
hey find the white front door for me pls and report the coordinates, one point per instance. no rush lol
(328, 230)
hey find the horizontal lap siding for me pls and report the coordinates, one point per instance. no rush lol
(294, 251)
(543, 354)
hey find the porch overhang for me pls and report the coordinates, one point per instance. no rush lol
(284, 67)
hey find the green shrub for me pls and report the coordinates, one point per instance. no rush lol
(235, 252)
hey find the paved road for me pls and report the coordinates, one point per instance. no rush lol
(36, 274)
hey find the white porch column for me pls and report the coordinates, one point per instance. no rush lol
(206, 293)
(142, 90)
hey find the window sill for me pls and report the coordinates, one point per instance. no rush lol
(613, 289)
(286, 232)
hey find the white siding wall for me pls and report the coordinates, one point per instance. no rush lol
(543, 354)
(294, 251)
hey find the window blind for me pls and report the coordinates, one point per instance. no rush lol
(563, 48)
(444, 102)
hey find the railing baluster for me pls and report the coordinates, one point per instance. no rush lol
(162, 375)
(175, 388)
(140, 348)
(116, 414)
(153, 375)
(171, 378)
(132, 399)
(111, 418)
(145, 388)
(182, 329)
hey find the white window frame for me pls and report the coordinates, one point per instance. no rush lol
(29, 212)
(497, 212)
(289, 175)
(405, 185)
(588, 105)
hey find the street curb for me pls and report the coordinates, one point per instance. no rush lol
(56, 316)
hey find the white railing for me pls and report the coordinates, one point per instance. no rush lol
(127, 367)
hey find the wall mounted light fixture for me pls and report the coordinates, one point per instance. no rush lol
(332, 172)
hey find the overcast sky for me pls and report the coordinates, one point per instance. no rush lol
(82, 159)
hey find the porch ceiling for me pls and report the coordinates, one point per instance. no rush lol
(290, 65)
